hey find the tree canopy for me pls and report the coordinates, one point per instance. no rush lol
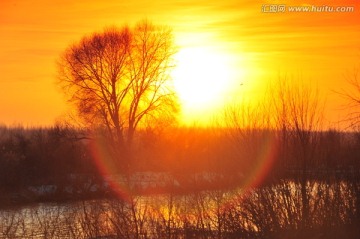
(119, 79)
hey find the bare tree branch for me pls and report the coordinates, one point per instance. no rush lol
(119, 77)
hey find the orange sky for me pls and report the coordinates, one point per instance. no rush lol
(321, 47)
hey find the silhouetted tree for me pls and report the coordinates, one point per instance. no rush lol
(352, 96)
(119, 79)
(249, 127)
(298, 116)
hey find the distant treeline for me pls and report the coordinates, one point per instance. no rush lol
(62, 156)
(40, 156)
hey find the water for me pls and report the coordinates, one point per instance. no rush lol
(277, 209)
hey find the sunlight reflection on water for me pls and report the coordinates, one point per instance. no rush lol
(209, 212)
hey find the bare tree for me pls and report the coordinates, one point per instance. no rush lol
(119, 79)
(248, 125)
(298, 116)
(352, 96)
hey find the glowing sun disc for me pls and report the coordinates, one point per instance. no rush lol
(202, 77)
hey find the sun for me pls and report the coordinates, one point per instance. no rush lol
(202, 79)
